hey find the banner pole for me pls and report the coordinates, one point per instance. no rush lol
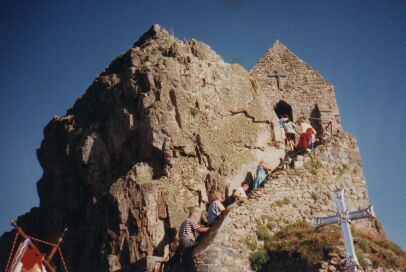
(25, 236)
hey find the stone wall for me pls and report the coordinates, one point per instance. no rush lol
(288, 196)
(287, 78)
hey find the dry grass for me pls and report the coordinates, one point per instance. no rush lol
(315, 196)
(298, 247)
(282, 202)
(381, 251)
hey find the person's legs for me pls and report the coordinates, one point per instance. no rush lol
(186, 251)
(291, 144)
(187, 243)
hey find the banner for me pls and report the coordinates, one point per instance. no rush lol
(27, 259)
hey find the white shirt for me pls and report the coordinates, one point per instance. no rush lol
(242, 192)
(302, 128)
(289, 127)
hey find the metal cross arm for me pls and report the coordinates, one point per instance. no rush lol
(335, 219)
(344, 218)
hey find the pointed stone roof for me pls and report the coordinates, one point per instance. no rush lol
(281, 58)
(288, 78)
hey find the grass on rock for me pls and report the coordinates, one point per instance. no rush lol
(298, 247)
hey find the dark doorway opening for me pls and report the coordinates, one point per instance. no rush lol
(283, 108)
(315, 121)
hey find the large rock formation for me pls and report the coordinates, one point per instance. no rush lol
(164, 125)
(152, 136)
(289, 196)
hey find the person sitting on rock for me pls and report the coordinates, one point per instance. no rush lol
(189, 230)
(289, 128)
(215, 208)
(307, 135)
(261, 173)
(243, 190)
(235, 197)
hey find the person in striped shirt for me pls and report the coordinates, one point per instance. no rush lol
(190, 229)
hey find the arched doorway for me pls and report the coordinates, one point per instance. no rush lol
(315, 121)
(283, 108)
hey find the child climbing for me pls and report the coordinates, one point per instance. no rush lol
(289, 128)
(261, 173)
(189, 230)
(235, 197)
(215, 208)
(243, 189)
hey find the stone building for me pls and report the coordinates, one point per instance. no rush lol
(295, 89)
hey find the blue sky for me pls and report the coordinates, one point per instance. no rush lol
(50, 52)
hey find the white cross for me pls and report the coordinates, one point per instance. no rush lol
(344, 218)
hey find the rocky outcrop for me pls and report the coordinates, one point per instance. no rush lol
(288, 196)
(166, 123)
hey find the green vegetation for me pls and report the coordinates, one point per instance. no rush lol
(194, 111)
(363, 244)
(251, 243)
(258, 259)
(314, 196)
(282, 202)
(314, 164)
(340, 171)
(266, 220)
(264, 226)
(316, 168)
(298, 247)
(263, 232)
(361, 258)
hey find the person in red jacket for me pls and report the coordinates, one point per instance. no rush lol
(307, 134)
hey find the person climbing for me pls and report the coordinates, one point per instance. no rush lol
(307, 135)
(189, 230)
(215, 208)
(289, 128)
(261, 173)
(235, 197)
(282, 121)
(243, 189)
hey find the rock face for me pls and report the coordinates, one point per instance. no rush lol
(164, 125)
(152, 136)
(287, 197)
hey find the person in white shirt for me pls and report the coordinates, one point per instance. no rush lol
(243, 189)
(289, 128)
(307, 134)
